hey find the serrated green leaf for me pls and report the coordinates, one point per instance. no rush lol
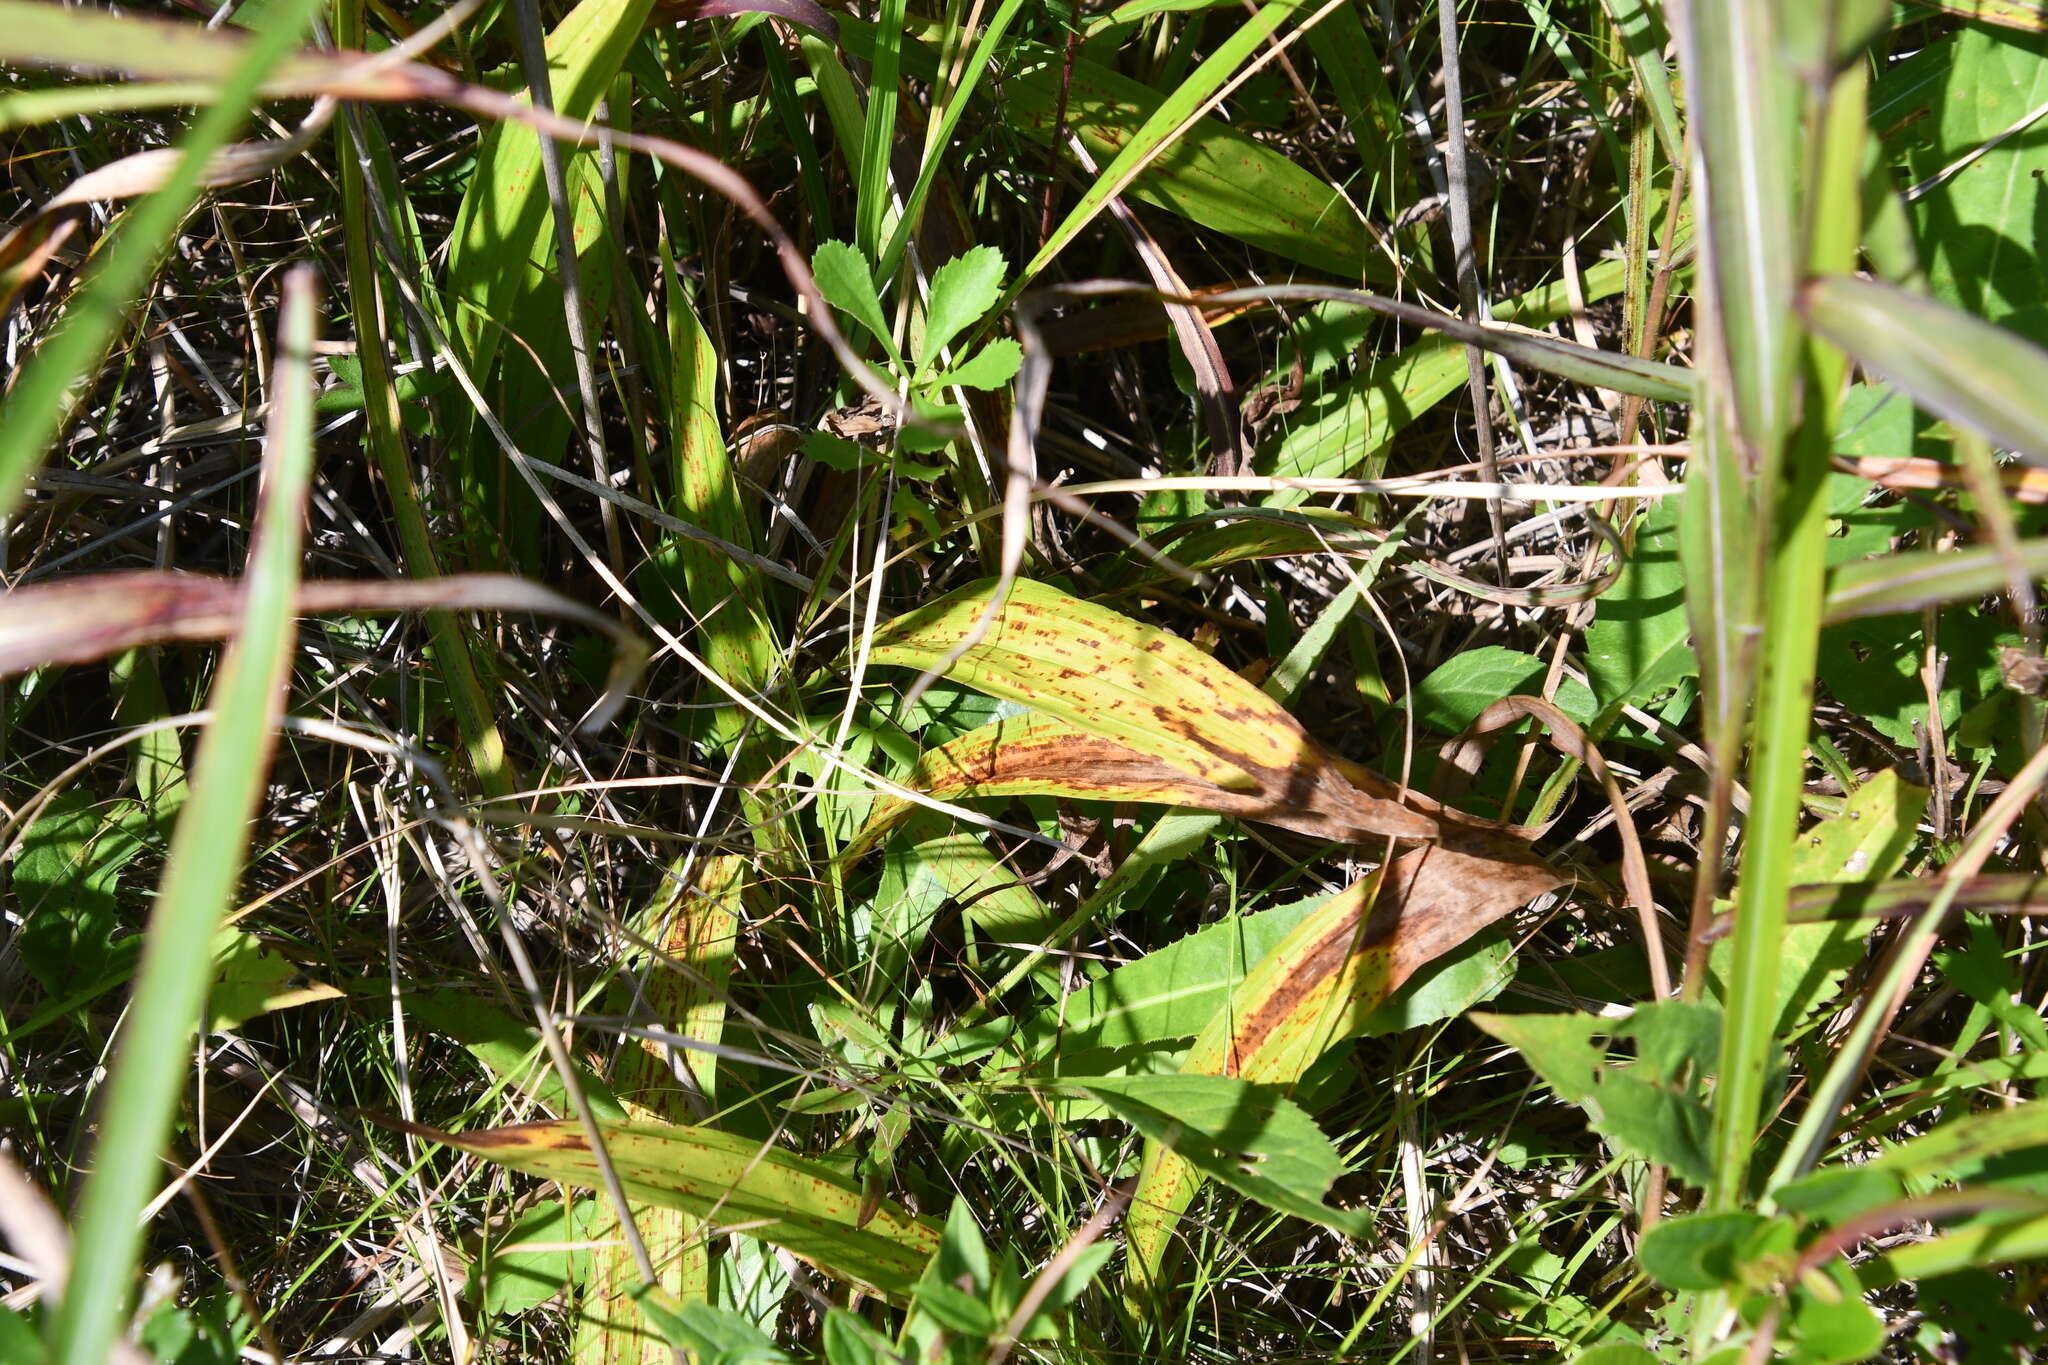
(962, 290)
(844, 279)
(991, 367)
(1650, 1107)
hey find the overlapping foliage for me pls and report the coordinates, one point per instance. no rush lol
(956, 682)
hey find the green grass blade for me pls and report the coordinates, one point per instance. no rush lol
(42, 398)
(1744, 111)
(1957, 365)
(1158, 132)
(204, 864)
(1642, 38)
(386, 444)
(876, 182)
(957, 101)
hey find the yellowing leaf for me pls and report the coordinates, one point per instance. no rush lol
(1038, 755)
(1320, 984)
(1180, 722)
(764, 1192)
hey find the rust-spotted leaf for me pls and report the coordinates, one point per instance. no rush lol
(798, 1205)
(1152, 695)
(1040, 755)
(1318, 986)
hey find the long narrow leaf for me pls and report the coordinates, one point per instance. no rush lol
(1973, 373)
(765, 1192)
(204, 864)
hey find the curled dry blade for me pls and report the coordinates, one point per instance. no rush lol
(81, 619)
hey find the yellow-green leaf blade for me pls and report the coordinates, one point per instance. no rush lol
(805, 1208)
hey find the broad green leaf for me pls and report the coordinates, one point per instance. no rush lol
(1638, 644)
(1833, 1194)
(509, 1048)
(712, 1335)
(765, 1192)
(1149, 141)
(251, 979)
(65, 880)
(1698, 1251)
(536, 1258)
(1957, 117)
(1977, 1306)
(1836, 1327)
(849, 1341)
(1975, 374)
(926, 872)
(991, 367)
(18, 1341)
(1212, 540)
(1171, 992)
(1346, 431)
(1872, 665)
(961, 291)
(843, 278)
(1467, 975)
(1642, 1107)
(963, 1252)
(1616, 1353)
(1319, 986)
(1453, 696)
(1247, 1136)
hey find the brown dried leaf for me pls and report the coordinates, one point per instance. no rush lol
(81, 619)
